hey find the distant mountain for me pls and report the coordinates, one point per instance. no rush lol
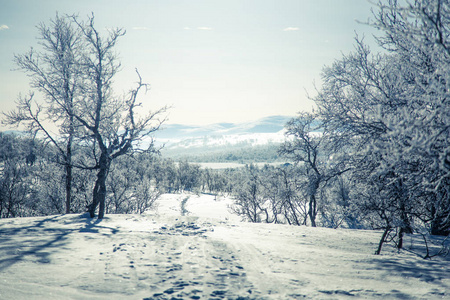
(222, 139)
(272, 124)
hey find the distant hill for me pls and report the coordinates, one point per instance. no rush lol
(272, 124)
(216, 142)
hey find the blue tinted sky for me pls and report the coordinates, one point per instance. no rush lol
(213, 61)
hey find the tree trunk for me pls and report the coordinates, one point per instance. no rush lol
(313, 188)
(69, 167)
(440, 224)
(406, 222)
(68, 186)
(400, 238)
(99, 194)
(93, 206)
(312, 210)
(406, 228)
(383, 239)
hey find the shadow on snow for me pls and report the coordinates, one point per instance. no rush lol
(42, 238)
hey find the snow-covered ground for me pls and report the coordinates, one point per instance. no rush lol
(191, 247)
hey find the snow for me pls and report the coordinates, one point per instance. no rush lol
(228, 140)
(192, 247)
(221, 166)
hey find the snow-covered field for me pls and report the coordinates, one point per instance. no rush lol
(191, 247)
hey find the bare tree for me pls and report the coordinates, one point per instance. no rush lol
(280, 186)
(390, 113)
(75, 73)
(110, 124)
(55, 73)
(305, 145)
(417, 34)
(249, 200)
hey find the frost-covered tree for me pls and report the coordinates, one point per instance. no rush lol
(15, 191)
(390, 113)
(188, 176)
(75, 74)
(249, 201)
(271, 194)
(110, 124)
(305, 145)
(130, 188)
(338, 209)
(359, 97)
(55, 73)
(418, 34)
(282, 189)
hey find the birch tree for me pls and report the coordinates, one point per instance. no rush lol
(110, 124)
(305, 145)
(75, 73)
(55, 74)
(418, 34)
(390, 112)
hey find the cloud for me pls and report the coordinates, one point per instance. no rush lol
(291, 29)
(140, 28)
(187, 28)
(4, 27)
(204, 28)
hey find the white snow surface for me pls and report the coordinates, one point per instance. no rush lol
(192, 247)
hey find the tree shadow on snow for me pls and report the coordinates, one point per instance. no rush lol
(33, 241)
(432, 272)
(38, 240)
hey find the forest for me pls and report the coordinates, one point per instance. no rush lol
(381, 160)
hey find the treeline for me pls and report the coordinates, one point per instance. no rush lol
(244, 155)
(32, 183)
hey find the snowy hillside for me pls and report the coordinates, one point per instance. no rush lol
(228, 140)
(271, 124)
(260, 132)
(191, 247)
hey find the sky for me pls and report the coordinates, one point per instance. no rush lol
(210, 60)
